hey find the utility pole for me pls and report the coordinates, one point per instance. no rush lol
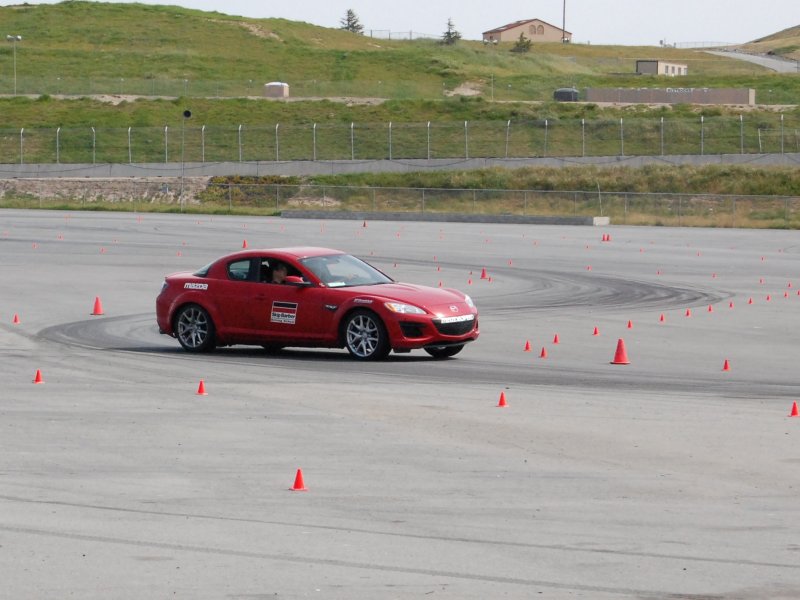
(564, 24)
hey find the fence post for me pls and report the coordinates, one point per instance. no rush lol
(166, 144)
(352, 142)
(662, 136)
(702, 135)
(230, 198)
(240, 143)
(423, 200)
(277, 143)
(21, 145)
(314, 144)
(58, 135)
(390, 140)
(781, 133)
(429, 140)
(130, 153)
(741, 134)
(466, 140)
(621, 137)
(583, 137)
(203, 144)
(94, 146)
(508, 132)
(545, 137)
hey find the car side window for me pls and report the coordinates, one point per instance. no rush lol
(267, 265)
(239, 270)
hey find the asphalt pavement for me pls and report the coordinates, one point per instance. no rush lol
(668, 477)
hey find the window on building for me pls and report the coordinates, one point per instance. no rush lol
(540, 30)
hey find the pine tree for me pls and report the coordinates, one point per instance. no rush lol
(351, 23)
(523, 44)
(451, 36)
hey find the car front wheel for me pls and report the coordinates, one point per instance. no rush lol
(444, 351)
(194, 329)
(365, 336)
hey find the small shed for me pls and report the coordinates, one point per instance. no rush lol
(276, 89)
(566, 95)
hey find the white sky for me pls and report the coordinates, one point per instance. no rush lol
(626, 22)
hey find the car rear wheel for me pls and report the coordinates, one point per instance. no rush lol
(194, 329)
(365, 336)
(444, 351)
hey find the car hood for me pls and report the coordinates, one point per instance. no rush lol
(435, 300)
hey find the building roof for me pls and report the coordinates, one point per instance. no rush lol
(523, 22)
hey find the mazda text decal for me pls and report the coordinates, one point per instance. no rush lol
(284, 312)
(195, 286)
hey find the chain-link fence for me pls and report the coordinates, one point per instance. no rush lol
(518, 88)
(190, 195)
(770, 134)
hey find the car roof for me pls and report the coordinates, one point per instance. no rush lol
(294, 252)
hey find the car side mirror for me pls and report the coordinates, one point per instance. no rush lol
(296, 281)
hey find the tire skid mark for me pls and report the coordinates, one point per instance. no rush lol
(338, 563)
(411, 536)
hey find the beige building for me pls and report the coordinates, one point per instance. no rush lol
(276, 89)
(535, 30)
(660, 67)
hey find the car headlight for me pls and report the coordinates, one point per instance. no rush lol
(164, 287)
(469, 301)
(405, 309)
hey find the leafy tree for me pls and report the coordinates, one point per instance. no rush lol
(451, 36)
(351, 23)
(523, 44)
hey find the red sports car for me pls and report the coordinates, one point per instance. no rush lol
(313, 297)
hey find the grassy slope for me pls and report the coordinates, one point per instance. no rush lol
(131, 41)
(785, 43)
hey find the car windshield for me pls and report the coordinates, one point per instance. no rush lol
(343, 270)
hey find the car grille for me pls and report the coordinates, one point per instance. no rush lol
(459, 328)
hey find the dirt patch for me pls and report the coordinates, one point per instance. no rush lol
(465, 89)
(306, 202)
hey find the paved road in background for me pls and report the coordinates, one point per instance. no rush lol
(779, 65)
(665, 478)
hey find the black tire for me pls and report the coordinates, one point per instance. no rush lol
(444, 351)
(195, 329)
(365, 336)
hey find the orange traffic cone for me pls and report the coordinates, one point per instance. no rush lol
(38, 377)
(543, 354)
(502, 402)
(620, 356)
(662, 318)
(710, 308)
(596, 331)
(731, 304)
(630, 324)
(244, 243)
(555, 339)
(201, 389)
(794, 412)
(527, 345)
(98, 306)
(483, 273)
(15, 320)
(726, 365)
(688, 312)
(299, 484)
(364, 224)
